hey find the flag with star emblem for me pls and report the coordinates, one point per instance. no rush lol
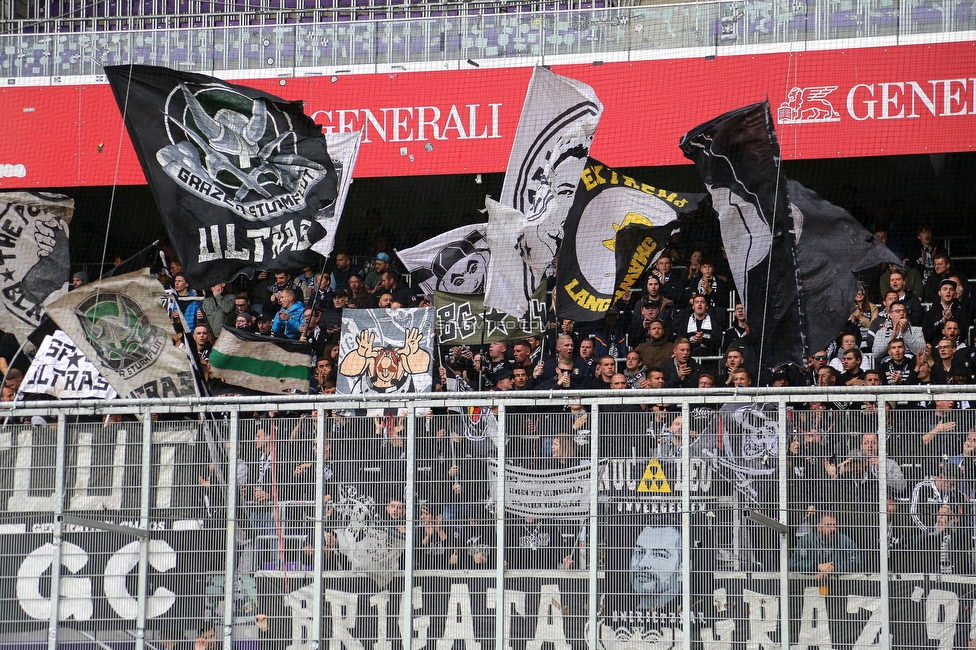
(35, 263)
(122, 327)
(616, 229)
(555, 131)
(464, 319)
(60, 370)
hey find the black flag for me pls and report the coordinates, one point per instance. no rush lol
(615, 229)
(238, 175)
(831, 247)
(738, 158)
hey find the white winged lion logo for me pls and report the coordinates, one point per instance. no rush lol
(806, 105)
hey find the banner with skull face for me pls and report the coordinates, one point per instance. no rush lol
(238, 175)
(122, 327)
(386, 351)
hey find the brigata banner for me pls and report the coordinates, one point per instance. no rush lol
(910, 99)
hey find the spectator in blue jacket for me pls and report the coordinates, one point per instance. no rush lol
(289, 319)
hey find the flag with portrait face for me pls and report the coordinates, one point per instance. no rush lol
(455, 261)
(552, 143)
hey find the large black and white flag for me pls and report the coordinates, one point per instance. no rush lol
(455, 261)
(831, 247)
(59, 369)
(35, 263)
(552, 143)
(738, 158)
(238, 175)
(344, 149)
(121, 326)
(616, 228)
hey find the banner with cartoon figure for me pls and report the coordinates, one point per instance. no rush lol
(386, 351)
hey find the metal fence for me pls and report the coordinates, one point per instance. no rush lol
(646, 519)
(309, 41)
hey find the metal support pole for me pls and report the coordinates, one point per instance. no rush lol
(883, 522)
(318, 535)
(143, 584)
(406, 601)
(500, 612)
(59, 473)
(686, 531)
(784, 550)
(230, 539)
(592, 548)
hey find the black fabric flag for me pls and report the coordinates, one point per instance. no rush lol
(615, 229)
(238, 174)
(831, 247)
(738, 158)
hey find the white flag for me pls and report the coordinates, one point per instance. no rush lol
(550, 151)
(344, 150)
(61, 370)
(454, 262)
(34, 260)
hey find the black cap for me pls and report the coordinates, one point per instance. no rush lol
(266, 316)
(341, 293)
(503, 373)
(951, 283)
(958, 369)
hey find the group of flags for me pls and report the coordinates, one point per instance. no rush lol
(246, 181)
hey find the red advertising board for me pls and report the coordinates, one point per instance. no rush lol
(827, 104)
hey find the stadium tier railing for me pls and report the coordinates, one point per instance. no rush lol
(309, 39)
(776, 518)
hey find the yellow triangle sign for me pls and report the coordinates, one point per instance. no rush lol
(654, 480)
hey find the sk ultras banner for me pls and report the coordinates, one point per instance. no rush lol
(59, 369)
(465, 320)
(617, 227)
(559, 118)
(34, 258)
(386, 351)
(238, 175)
(122, 327)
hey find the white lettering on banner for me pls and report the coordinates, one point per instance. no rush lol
(958, 97)
(814, 627)
(285, 237)
(549, 622)
(80, 499)
(301, 603)
(412, 123)
(343, 610)
(459, 625)
(870, 636)
(763, 619)
(21, 500)
(512, 598)
(76, 593)
(941, 614)
(162, 558)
